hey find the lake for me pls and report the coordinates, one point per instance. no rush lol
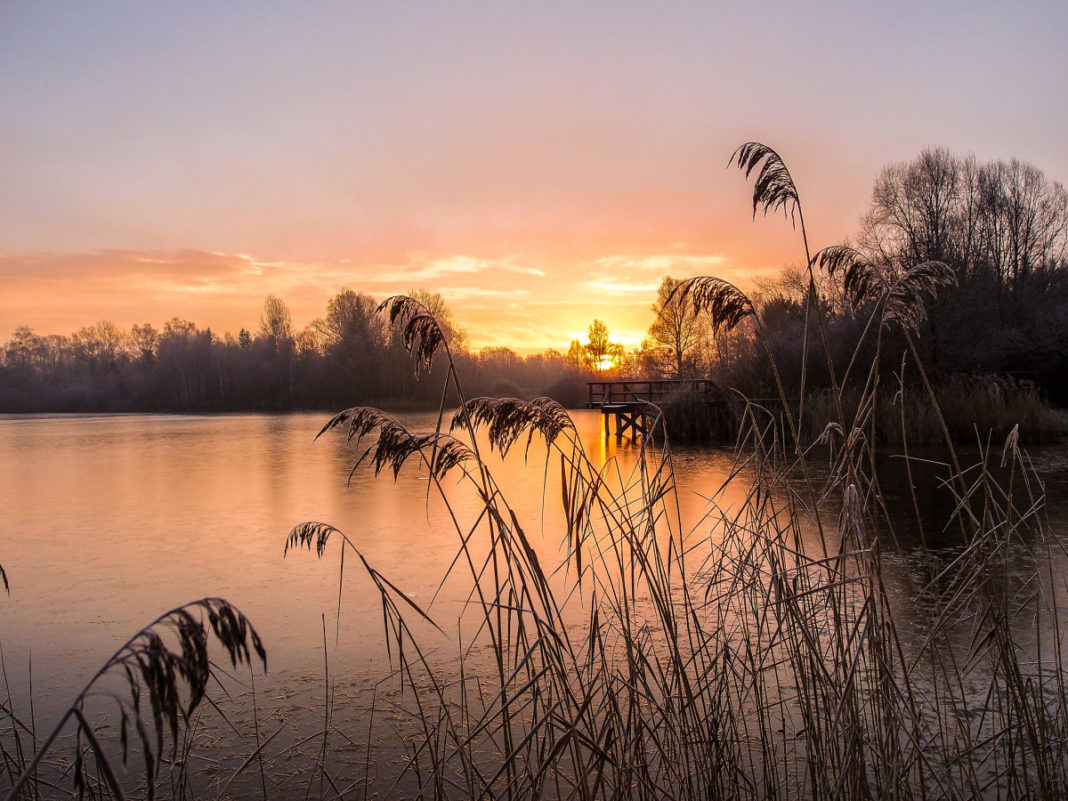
(111, 520)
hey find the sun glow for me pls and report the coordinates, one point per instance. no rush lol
(503, 301)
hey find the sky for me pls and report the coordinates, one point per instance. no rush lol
(539, 164)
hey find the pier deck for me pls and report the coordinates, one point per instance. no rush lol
(630, 403)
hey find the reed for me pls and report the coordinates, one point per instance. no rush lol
(163, 673)
(768, 651)
(973, 408)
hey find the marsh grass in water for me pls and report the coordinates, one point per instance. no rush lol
(156, 680)
(973, 408)
(760, 654)
(764, 652)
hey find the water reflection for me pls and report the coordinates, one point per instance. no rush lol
(111, 520)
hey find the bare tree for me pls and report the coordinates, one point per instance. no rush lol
(276, 323)
(598, 344)
(577, 355)
(1003, 218)
(143, 342)
(100, 345)
(677, 332)
(911, 216)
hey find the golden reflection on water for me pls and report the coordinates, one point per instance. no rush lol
(111, 520)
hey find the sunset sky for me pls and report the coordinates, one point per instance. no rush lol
(540, 164)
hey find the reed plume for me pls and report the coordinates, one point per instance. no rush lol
(905, 301)
(725, 304)
(862, 281)
(395, 444)
(420, 332)
(168, 662)
(506, 419)
(774, 187)
(904, 296)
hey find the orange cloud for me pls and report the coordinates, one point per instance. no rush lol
(513, 300)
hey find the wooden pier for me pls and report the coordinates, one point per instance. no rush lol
(631, 403)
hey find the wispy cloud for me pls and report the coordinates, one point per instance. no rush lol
(501, 301)
(444, 267)
(662, 263)
(467, 292)
(122, 265)
(622, 286)
(585, 302)
(515, 268)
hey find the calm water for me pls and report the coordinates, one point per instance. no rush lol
(111, 520)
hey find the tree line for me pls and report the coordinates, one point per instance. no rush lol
(349, 356)
(1001, 226)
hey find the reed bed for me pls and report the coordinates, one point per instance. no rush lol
(972, 407)
(765, 651)
(760, 654)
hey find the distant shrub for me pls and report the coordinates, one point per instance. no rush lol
(569, 390)
(691, 416)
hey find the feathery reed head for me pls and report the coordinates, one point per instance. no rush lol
(774, 188)
(508, 418)
(309, 532)
(1012, 445)
(420, 332)
(725, 303)
(396, 444)
(167, 660)
(160, 666)
(362, 420)
(905, 302)
(862, 281)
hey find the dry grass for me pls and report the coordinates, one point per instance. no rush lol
(761, 654)
(767, 652)
(156, 681)
(973, 409)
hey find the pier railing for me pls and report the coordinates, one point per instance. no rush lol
(610, 393)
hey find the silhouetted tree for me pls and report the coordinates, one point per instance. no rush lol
(278, 354)
(577, 356)
(99, 346)
(598, 343)
(1003, 228)
(143, 342)
(276, 324)
(185, 365)
(346, 357)
(676, 334)
(354, 338)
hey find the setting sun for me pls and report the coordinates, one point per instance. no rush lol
(549, 170)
